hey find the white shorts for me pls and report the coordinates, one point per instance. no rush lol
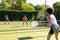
(55, 27)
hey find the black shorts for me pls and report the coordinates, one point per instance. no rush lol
(51, 31)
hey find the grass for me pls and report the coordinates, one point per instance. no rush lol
(16, 31)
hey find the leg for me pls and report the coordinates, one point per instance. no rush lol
(23, 23)
(30, 23)
(49, 36)
(5, 21)
(8, 21)
(26, 23)
(56, 35)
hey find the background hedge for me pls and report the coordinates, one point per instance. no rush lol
(17, 14)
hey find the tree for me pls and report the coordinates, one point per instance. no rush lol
(41, 7)
(11, 3)
(27, 7)
(38, 7)
(57, 10)
(30, 4)
(24, 1)
(5, 5)
(20, 3)
(56, 5)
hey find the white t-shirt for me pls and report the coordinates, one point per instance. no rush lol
(53, 19)
(54, 23)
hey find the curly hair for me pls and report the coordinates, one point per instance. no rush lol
(50, 10)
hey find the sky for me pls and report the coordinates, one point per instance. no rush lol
(35, 2)
(48, 2)
(0, 1)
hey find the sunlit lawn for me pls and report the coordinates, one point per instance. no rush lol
(16, 31)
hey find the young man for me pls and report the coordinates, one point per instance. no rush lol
(25, 20)
(53, 23)
(6, 19)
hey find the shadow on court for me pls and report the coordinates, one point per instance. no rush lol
(25, 38)
(28, 38)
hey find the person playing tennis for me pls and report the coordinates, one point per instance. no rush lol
(53, 23)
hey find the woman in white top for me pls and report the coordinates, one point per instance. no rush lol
(53, 23)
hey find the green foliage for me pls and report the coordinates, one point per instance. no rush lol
(38, 7)
(41, 7)
(57, 10)
(24, 1)
(20, 3)
(13, 4)
(56, 5)
(9, 1)
(30, 4)
(17, 14)
(28, 7)
(5, 5)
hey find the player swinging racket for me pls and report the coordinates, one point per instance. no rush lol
(53, 23)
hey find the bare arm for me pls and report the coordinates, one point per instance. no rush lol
(48, 19)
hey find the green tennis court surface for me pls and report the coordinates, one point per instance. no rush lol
(16, 31)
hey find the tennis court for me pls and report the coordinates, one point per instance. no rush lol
(16, 31)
